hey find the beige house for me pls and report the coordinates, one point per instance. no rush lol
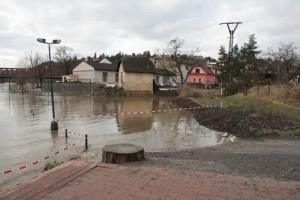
(136, 75)
(100, 73)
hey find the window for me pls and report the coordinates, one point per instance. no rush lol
(194, 80)
(199, 80)
(197, 71)
(104, 77)
(116, 77)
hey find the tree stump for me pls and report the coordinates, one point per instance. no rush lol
(120, 153)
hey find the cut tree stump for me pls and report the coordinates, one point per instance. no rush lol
(120, 153)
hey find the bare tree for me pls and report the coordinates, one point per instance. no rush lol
(22, 75)
(37, 65)
(66, 57)
(285, 57)
(179, 62)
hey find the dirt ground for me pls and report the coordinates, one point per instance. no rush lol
(259, 151)
(265, 158)
(243, 124)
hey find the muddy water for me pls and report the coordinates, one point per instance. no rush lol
(26, 137)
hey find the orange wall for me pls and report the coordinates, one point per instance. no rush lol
(205, 79)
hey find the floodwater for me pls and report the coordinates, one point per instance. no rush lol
(26, 137)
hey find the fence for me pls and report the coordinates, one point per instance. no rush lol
(82, 88)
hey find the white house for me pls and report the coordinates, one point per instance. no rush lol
(163, 76)
(104, 60)
(101, 73)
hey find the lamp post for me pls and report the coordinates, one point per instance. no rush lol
(54, 125)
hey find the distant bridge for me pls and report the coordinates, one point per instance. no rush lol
(26, 72)
(11, 72)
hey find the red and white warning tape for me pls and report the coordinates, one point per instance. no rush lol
(69, 132)
(82, 136)
(48, 156)
(45, 158)
(135, 113)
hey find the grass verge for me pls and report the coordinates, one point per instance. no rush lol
(50, 165)
(260, 108)
(253, 105)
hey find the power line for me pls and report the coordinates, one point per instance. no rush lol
(231, 32)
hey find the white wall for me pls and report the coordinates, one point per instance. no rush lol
(84, 71)
(99, 75)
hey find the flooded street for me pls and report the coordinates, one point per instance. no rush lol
(26, 137)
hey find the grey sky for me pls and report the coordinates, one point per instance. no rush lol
(110, 26)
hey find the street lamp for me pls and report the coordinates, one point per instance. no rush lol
(54, 125)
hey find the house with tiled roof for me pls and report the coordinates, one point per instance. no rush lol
(163, 76)
(136, 75)
(96, 72)
(204, 74)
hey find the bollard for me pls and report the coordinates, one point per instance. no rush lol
(86, 142)
(66, 133)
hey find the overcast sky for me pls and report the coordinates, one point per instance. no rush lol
(110, 26)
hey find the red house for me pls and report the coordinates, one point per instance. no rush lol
(204, 74)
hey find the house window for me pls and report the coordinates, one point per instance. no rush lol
(197, 71)
(104, 77)
(199, 80)
(116, 77)
(194, 80)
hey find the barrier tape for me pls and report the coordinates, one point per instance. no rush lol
(48, 156)
(88, 116)
(69, 132)
(144, 112)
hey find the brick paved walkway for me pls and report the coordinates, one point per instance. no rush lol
(121, 182)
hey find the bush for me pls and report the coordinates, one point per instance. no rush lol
(188, 90)
(50, 165)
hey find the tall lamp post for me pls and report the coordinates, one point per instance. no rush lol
(54, 125)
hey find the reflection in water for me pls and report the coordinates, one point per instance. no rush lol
(130, 123)
(28, 137)
(54, 134)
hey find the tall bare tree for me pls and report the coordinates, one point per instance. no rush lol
(37, 65)
(177, 61)
(22, 75)
(285, 57)
(65, 56)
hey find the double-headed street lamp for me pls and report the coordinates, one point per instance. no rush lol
(54, 125)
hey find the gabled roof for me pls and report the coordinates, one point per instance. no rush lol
(212, 66)
(137, 64)
(164, 72)
(103, 66)
(206, 69)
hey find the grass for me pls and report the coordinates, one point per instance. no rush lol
(50, 165)
(252, 104)
(257, 105)
(290, 132)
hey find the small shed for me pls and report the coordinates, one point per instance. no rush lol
(136, 75)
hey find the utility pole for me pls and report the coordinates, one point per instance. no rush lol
(230, 55)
